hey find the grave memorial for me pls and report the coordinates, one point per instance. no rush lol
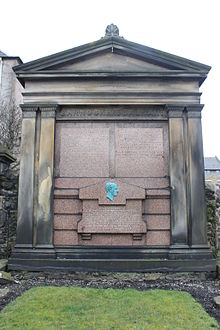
(111, 173)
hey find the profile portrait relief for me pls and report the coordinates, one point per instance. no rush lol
(111, 189)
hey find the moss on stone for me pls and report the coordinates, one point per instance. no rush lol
(212, 220)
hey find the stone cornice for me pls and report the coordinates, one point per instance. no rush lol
(71, 74)
(112, 97)
(64, 75)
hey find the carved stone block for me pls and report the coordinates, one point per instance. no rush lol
(120, 216)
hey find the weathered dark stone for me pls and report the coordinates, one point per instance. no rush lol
(217, 301)
(8, 203)
(218, 269)
(44, 223)
(3, 264)
(117, 265)
(179, 230)
(197, 210)
(26, 186)
(212, 221)
(4, 292)
(5, 277)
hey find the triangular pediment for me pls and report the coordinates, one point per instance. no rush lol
(113, 54)
(110, 62)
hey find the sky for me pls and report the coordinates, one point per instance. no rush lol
(32, 29)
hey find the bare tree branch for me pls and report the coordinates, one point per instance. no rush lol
(10, 127)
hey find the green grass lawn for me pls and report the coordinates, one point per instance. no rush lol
(83, 308)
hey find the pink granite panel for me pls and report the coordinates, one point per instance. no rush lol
(125, 191)
(134, 206)
(147, 183)
(159, 222)
(76, 183)
(158, 238)
(106, 239)
(62, 206)
(84, 152)
(112, 218)
(139, 152)
(157, 206)
(158, 193)
(65, 237)
(140, 242)
(62, 221)
(59, 193)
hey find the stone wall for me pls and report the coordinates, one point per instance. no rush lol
(10, 136)
(217, 196)
(10, 111)
(213, 217)
(8, 203)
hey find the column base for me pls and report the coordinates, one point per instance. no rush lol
(190, 252)
(26, 253)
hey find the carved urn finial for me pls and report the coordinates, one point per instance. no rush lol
(112, 31)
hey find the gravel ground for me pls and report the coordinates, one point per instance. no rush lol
(203, 290)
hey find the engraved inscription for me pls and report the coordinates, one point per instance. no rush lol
(139, 152)
(112, 218)
(113, 113)
(84, 152)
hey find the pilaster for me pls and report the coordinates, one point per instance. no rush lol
(35, 205)
(45, 169)
(177, 169)
(197, 206)
(24, 236)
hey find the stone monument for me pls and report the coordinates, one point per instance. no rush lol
(111, 174)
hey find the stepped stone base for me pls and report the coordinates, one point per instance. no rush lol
(102, 259)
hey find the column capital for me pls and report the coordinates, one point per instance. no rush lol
(28, 110)
(194, 107)
(175, 110)
(48, 110)
(194, 110)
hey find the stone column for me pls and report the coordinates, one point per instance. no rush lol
(24, 236)
(197, 206)
(45, 168)
(178, 183)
